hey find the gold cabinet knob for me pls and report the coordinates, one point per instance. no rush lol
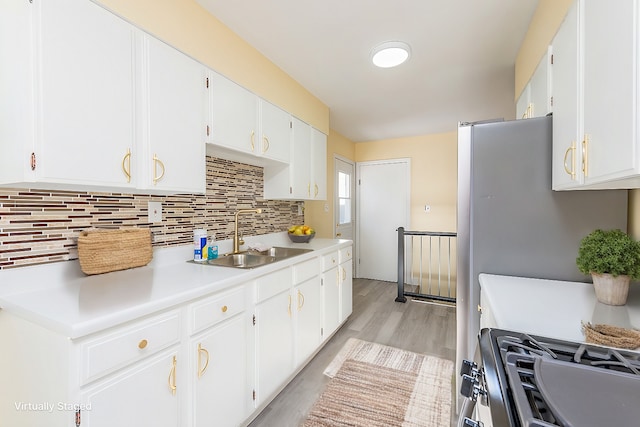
(224, 308)
(479, 309)
(142, 344)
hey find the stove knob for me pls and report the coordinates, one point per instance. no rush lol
(467, 388)
(468, 368)
(471, 423)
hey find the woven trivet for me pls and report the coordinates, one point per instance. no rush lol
(611, 336)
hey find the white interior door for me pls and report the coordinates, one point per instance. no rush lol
(383, 202)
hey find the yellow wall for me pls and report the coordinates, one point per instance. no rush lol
(188, 27)
(315, 214)
(434, 166)
(544, 25)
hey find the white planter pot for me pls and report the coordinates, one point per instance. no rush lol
(611, 290)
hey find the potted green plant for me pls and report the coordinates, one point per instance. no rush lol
(612, 258)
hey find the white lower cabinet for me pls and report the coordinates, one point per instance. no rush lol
(330, 294)
(346, 283)
(308, 318)
(221, 390)
(145, 394)
(274, 344)
(216, 360)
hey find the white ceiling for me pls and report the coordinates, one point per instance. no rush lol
(461, 68)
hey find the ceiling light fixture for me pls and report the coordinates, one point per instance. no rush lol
(390, 54)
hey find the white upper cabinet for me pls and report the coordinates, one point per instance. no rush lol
(93, 100)
(233, 115)
(595, 99)
(305, 178)
(243, 127)
(174, 140)
(85, 118)
(275, 135)
(536, 98)
(318, 165)
(566, 153)
(81, 112)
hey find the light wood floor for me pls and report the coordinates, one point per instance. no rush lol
(427, 328)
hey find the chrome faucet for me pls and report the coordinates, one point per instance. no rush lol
(236, 241)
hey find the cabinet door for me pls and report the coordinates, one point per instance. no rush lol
(566, 169)
(145, 395)
(319, 165)
(330, 301)
(274, 344)
(174, 101)
(523, 103)
(234, 115)
(301, 149)
(346, 290)
(17, 89)
(540, 88)
(610, 52)
(275, 139)
(222, 394)
(85, 111)
(308, 302)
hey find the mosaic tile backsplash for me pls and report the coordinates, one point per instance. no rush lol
(41, 226)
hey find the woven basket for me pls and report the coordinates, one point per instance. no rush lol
(102, 251)
(611, 336)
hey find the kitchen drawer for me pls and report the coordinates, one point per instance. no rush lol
(216, 309)
(125, 345)
(306, 270)
(345, 254)
(272, 284)
(329, 261)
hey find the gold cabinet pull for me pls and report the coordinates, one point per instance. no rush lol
(571, 150)
(201, 351)
(253, 146)
(265, 144)
(479, 309)
(156, 162)
(585, 155)
(142, 344)
(126, 165)
(289, 307)
(224, 308)
(172, 376)
(315, 190)
(344, 274)
(300, 300)
(309, 189)
(338, 234)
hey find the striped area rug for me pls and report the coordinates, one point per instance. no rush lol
(374, 385)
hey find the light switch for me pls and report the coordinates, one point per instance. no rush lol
(155, 212)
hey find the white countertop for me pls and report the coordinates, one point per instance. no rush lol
(62, 298)
(553, 308)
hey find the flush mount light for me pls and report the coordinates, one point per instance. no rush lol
(390, 54)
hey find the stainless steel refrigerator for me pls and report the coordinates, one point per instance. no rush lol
(510, 221)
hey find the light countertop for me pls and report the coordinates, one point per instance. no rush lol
(552, 308)
(62, 298)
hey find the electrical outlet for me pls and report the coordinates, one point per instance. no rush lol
(155, 212)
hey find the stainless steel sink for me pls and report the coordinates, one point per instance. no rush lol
(242, 260)
(252, 259)
(280, 252)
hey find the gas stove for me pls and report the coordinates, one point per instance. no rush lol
(532, 381)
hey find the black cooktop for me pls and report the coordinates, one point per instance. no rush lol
(535, 381)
